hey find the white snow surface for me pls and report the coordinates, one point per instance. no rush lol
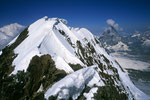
(90, 95)
(136, 35)
(73, 84)
(44, 38)
(119, 47)
(40, 89)
(60, 62)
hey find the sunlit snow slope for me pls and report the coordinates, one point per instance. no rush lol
(71, 46)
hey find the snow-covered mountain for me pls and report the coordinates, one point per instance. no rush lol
(137, 44)
(8, 32)
(53, 61)
(112, 40)
(140, 42)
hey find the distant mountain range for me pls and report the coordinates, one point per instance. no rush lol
(140, 42)
(135, 44)
(9, 32)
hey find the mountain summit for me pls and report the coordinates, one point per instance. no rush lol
(49, 60)
(110, 36)
(112, 40)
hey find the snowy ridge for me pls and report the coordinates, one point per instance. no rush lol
(73, 84)
(71, 46)
(43, 40)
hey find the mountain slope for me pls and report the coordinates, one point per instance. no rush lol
(8, 32)
(49, 60)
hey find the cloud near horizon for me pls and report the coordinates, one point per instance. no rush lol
(114, 24)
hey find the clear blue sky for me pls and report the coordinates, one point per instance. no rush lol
(91, 14)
